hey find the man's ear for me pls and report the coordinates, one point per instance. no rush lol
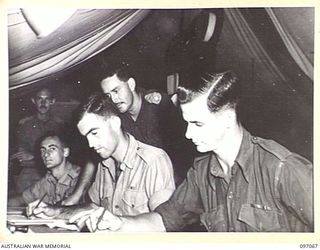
(66, 152)
(115, 123)
(132, 84)
(229, 117)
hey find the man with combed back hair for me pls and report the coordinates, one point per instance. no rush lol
(241, 183)
(132, 177)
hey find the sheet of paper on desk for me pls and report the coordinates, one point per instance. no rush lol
(16, 210)
(22, 220)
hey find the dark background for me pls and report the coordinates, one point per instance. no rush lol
(168, 40)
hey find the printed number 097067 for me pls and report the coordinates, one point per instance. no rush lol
(308, 245)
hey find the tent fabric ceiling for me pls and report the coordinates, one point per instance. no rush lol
(297, 43)
(82, 36)
(280, 95)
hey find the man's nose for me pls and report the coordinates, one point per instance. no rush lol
(45, 154)
(188, 132)
(114, 97)
(90, 142)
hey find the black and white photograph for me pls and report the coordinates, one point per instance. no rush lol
(164, 120)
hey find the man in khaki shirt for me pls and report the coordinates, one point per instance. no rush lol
(61, 176)
(133, 177)
(240, 183)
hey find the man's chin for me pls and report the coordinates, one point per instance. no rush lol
(202, 149)
(122, 108)
(104, 156)
(43, 111)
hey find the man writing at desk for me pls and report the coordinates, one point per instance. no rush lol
(151, 118)
(241, 184)
(60, 179)
(131, 179)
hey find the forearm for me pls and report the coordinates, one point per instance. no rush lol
(66, 212)
(82, 186)
(85, 177)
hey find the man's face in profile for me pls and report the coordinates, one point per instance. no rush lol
(206, 129)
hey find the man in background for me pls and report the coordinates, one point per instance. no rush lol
(241, 183)
(151, 117)
(30, 129)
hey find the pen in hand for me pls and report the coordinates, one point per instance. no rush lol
(38, 204)
(100, 218)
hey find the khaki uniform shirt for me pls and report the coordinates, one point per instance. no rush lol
(145, 181)
(270, 190)
(55, 190)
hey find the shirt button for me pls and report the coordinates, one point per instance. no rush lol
(231, 229)
(116, 206)
(230, 196)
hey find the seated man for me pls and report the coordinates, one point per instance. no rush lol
(30, 129)
(242, 183)
(131, 179)
(155, 121)
(61, 176)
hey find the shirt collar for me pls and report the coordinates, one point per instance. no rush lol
(243, 158)
(128, 160)
(69, 175)
(131, 152)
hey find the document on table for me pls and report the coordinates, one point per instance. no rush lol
(16, 217)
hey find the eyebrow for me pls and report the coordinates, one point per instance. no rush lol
(115, 88)
(195, 122)
(50, 145)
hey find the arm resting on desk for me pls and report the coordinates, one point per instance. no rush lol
(104, 220)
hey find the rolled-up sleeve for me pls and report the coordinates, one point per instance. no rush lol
(159, 180)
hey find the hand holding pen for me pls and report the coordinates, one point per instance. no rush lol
(34, 205)
(41, 209)
(101, 219)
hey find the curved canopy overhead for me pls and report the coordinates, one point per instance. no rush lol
(80, 37)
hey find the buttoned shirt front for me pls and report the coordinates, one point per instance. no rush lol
(270, 190)
(55, 190)
(161, 125)
(145, 181)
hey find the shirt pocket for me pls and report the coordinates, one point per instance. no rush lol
(214, 220)
(260, 218)
(135, 202)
